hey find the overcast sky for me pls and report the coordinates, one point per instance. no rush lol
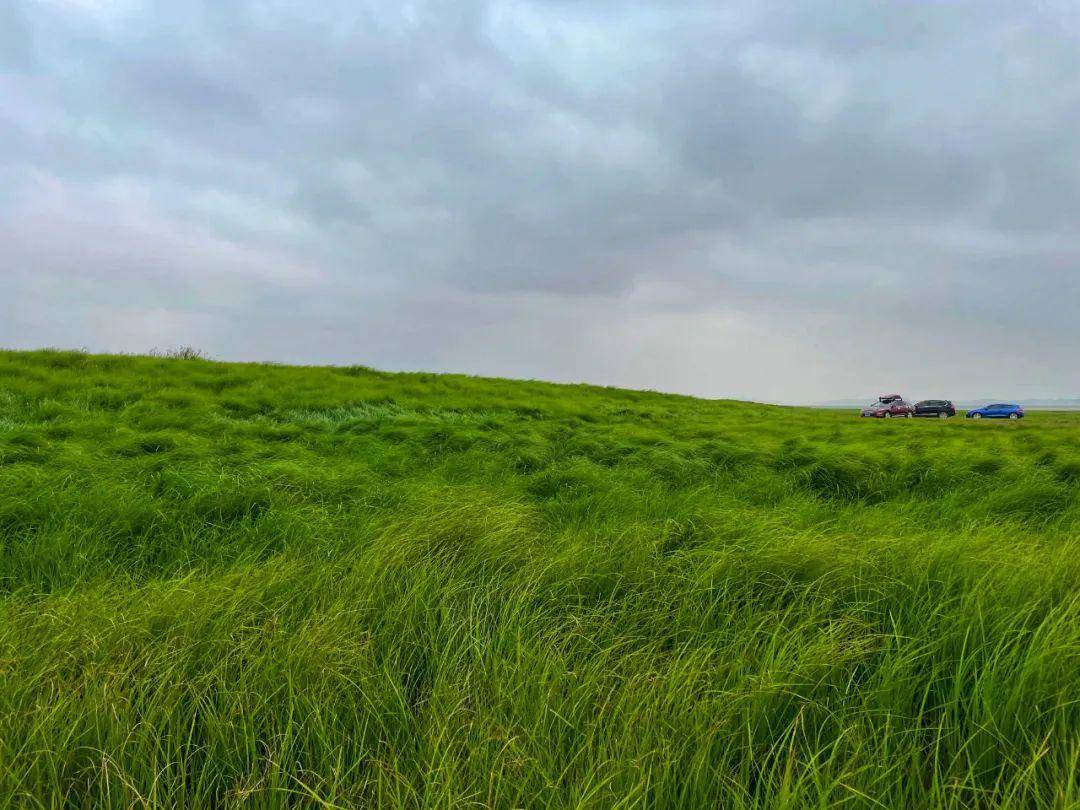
(788, 201)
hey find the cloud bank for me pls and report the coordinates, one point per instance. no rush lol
(783, 201)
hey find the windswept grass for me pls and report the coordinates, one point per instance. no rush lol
(262, 586)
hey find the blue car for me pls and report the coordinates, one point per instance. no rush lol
(1000, 410)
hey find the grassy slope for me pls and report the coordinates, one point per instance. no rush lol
(260, 585)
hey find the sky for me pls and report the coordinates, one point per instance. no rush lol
(784, 201)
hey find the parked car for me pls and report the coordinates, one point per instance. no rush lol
(1000, 410)
(941, 408)
(888, 406)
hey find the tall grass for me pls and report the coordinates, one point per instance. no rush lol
(244, 585)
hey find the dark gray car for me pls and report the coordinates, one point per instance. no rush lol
(940, 408)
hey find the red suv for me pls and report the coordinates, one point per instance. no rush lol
(888, 406)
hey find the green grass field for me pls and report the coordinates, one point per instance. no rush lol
(264, 586)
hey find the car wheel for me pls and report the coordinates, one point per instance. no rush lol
(887, 415)
(909, 415)
(1014, 416)
(976, 416)
(943, 415)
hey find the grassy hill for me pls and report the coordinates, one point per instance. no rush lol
(252, 585)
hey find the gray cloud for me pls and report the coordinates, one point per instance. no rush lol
(15, 45)
(786, 201)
